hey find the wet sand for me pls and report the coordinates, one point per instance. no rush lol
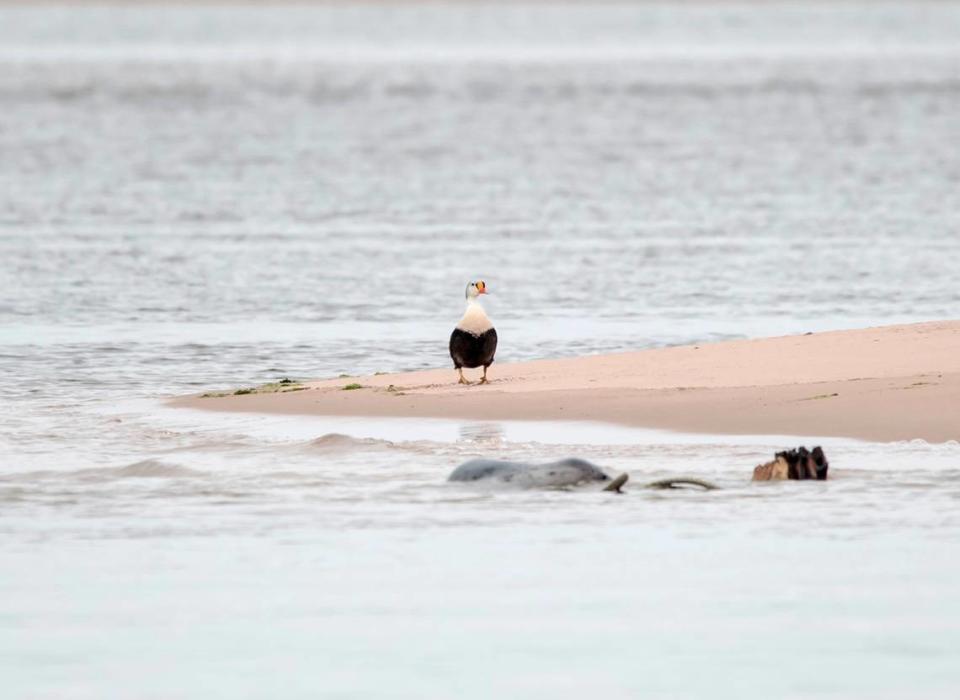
(881, 384)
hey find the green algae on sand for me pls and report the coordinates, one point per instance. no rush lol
(282, 386)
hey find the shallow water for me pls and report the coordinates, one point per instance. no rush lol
(199, 198)
(259, 556)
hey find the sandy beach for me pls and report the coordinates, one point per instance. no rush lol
(881, 384)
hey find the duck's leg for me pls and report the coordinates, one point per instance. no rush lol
(463, 380)
(484, 379)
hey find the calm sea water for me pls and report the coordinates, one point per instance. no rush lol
(212, 197)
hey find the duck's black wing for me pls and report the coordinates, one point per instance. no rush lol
(469, 350)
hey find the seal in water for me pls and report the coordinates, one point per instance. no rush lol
(559, 474)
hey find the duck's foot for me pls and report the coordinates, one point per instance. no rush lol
(462, 380)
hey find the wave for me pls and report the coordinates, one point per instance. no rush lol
(338, 443)
(250, 83)
(144, 469)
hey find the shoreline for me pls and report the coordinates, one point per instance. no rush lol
(880, 384)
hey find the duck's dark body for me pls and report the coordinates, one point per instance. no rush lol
(470, 350)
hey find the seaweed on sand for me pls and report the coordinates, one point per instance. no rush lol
(281, 386)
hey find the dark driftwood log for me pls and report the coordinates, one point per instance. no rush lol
(795, 464)
(680, 482)
(617, 483)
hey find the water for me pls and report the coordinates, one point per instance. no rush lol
(211, 197)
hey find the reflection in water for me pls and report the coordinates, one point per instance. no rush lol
(482, 433)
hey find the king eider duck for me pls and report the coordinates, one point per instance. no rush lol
(473, 342)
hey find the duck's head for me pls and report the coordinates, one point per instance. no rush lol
(475, 289)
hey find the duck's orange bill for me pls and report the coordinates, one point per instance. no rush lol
(482, 287)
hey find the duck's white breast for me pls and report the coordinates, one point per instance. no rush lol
(475, 320)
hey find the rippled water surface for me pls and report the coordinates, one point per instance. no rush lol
(212, 197)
